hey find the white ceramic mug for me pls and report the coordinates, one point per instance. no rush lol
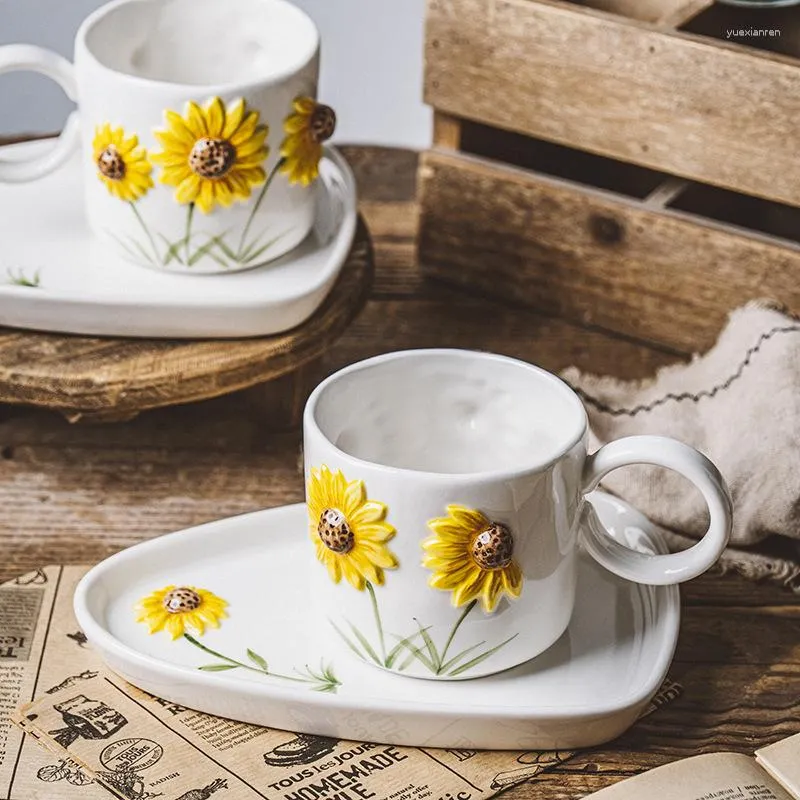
(198, 126)
(446, 494)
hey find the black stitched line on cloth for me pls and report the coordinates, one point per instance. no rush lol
(695, 398)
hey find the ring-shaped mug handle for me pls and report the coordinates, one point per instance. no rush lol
(657, 569)
(14, 57)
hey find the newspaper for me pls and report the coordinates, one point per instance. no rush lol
(98, 733)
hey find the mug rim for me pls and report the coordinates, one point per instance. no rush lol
(312, 426)
(225, 88)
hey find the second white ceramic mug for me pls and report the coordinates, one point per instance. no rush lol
(446, 495)
(198, 125)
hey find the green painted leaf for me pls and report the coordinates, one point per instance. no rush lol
(122, 244)
(250, 258)
(21, 279)
(399, 647)
(141, 250)
(364, 642)
(347, 641)
(431, 647)
(257, 660)
(242, 254)
(200, 252)
(226, 249)
(416, 652)
(451, 662)
(218, 667)
(482, 657)
(173, 250)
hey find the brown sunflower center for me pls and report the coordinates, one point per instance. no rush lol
(322, 123)
(111, 164)
(182, 599)
(334, 531)
(494, 547)
(212, 158)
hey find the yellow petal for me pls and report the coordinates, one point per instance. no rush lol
(254, 176)
(128, 145)
(334, 568)
(491, 591)
(380, 556)
(295, 123)
(468, 590)
(195, 120)
(222, 192)
(180, 129)
(196, 621)
(245, 130)
(215, 117)
(205, 197)
(468, 517)
(254, 145)
(352, 575)
(188, 189)
(174, 176)
(156, 622)
(512, 579)
(175, 626)
(304, 105)
(233, 118)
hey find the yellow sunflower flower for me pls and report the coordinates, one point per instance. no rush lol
(122, 163)
(348, 530)
(309, 125)
(213, 155)
(176, 608)
(472, 557)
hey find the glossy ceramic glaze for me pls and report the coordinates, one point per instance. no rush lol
(84, 286)
(136, 61)
(586, 689)
(464, 450)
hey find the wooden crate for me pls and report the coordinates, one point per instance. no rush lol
(615, 162)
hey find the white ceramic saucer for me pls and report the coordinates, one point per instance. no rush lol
(586, 689)
(85, 287)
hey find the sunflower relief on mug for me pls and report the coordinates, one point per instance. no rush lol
(199, 126)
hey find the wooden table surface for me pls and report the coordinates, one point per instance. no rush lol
(77, 493)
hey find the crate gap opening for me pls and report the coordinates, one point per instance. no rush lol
(654, 188)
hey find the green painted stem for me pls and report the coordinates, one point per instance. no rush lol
(378, 623)
(146, 231)
(257, 205)
(190, 638)
(443, 659)
(189, 215)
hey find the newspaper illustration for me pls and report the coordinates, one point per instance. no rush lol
(91, 733)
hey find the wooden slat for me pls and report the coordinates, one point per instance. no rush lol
(591, 256)
(446, 131)
(692, 106)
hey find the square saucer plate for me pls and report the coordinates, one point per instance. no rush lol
(586, 689)
(85, 287)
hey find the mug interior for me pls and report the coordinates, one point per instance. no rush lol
(202, 42)
(448, 411)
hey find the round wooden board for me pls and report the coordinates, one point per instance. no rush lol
(115, 378)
